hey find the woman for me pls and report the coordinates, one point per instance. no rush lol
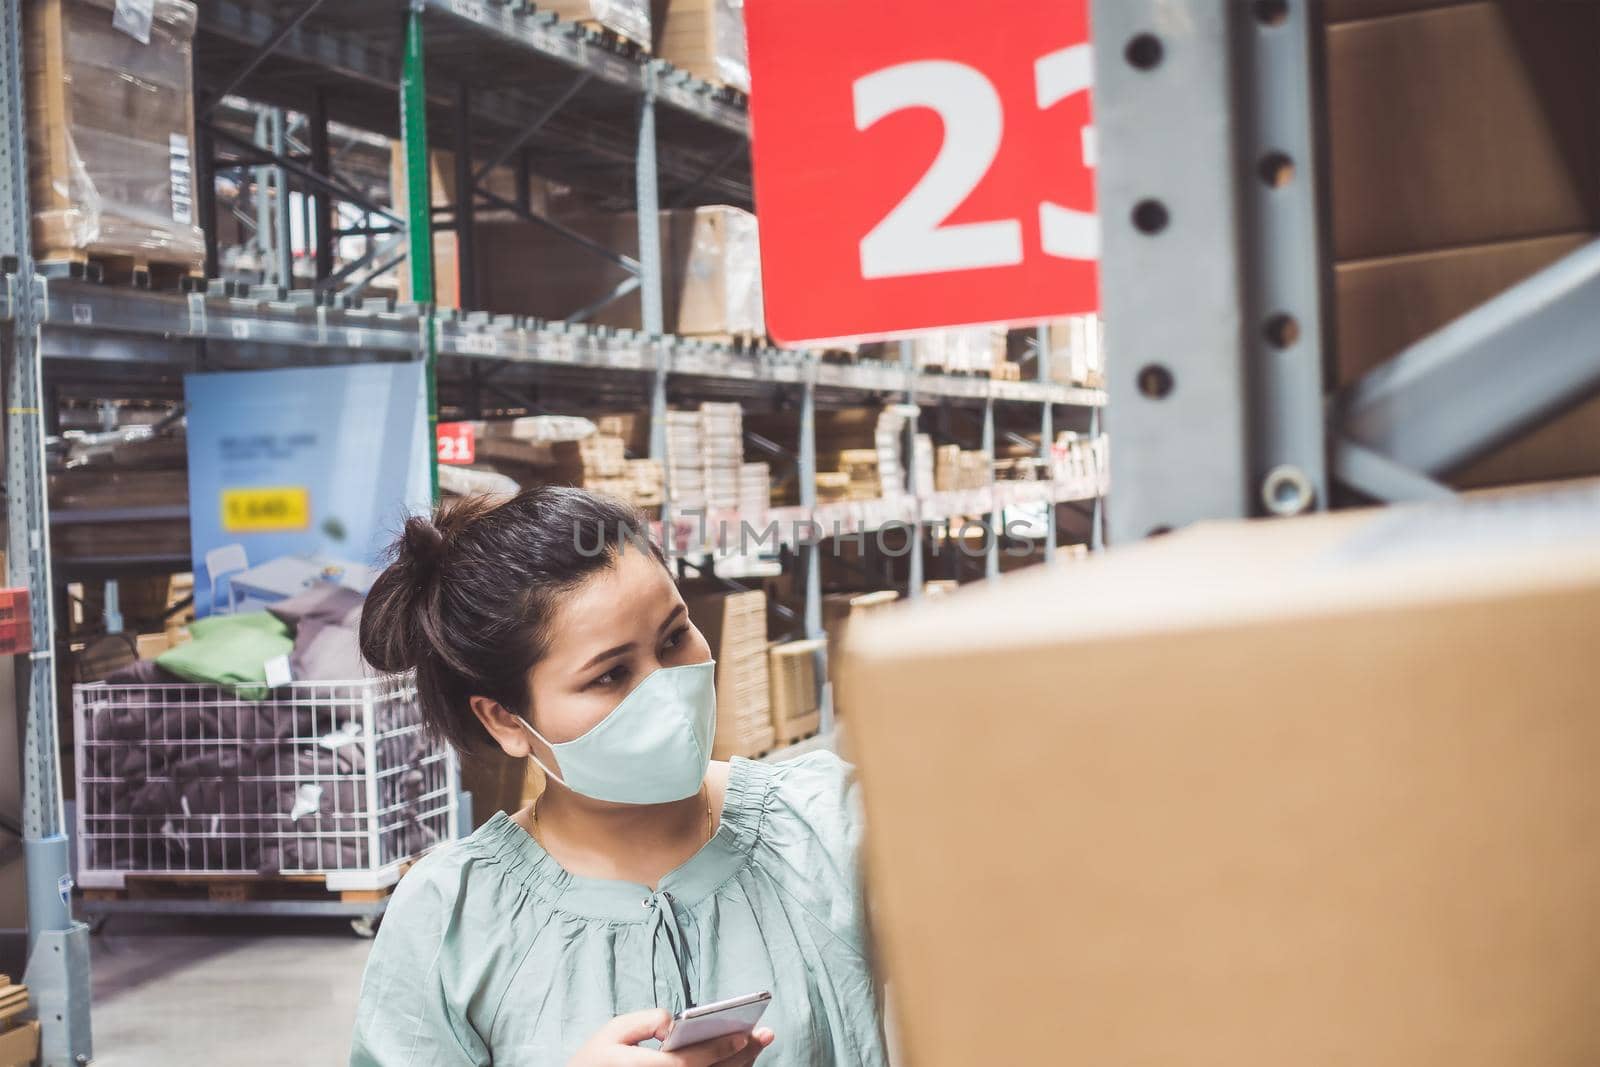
(646, 878)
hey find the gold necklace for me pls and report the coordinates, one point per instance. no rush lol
(533, 818)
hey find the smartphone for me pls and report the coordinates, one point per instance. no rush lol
(711, 1021)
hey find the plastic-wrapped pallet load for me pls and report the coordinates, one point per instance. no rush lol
(970, 350)
(706, 38)
(626, 18)
(110, 133)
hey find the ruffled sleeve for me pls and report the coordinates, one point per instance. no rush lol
(405, 1018)
(811, 829)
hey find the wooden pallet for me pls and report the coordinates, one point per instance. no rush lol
(222, 888)
(121, 269)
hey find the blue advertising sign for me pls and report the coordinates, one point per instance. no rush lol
(300, 475)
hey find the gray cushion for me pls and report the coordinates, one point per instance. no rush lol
(322, 602)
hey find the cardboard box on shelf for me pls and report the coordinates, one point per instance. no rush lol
(706, 38)
(111, 135)
(735, 626)
(1462, 124)
(1282, 766)
(1386, 304)
(711, 270)
(795, 713)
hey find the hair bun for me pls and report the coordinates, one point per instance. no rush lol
(423, 543)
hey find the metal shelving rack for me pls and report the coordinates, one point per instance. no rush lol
(1216, 274)
(513, 86)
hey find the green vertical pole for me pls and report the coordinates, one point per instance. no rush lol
(419, 205)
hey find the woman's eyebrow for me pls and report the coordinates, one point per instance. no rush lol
(607, 654)
(672, 618)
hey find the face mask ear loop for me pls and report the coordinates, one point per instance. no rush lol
(528, 726)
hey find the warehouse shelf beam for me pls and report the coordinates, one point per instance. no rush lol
(1396, 412)
(1212, 274)
(254, 63)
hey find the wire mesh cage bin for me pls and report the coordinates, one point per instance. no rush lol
(331, 779)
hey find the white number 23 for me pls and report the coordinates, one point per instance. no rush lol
(913, 238)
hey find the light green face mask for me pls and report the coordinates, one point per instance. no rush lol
(654, 746)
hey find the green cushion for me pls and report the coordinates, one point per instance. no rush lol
(231, 651)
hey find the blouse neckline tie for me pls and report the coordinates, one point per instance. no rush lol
(664, 919)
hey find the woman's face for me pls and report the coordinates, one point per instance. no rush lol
(607, 636)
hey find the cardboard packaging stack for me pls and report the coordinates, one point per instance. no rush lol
(711, 271)
(686, 470)
(735, 626)
(795, 713)
(19, 1039)
(111, 134)
(1304, 791)
(722, 445)
(832, 487)
(946, 467)
(645, 479)
(842, 611)
(1487, 174)
(860, 466)
(625, 18)
(706, 38)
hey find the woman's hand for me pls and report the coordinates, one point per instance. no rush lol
(616, 1045)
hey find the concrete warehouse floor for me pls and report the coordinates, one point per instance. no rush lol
(246, 993)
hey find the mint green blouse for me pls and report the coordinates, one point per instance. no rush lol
(491, 952)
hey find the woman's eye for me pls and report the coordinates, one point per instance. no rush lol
(610, 678)
(675, 638)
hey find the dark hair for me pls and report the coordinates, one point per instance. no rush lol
(467, 596)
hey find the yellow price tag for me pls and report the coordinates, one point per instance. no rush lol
(269, 509)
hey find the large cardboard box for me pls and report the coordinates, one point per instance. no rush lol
(1315, 792)
(711, 270)
(1463, 124)
(1386, 304)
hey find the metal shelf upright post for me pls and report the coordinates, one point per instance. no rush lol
(58, 946)
(419, 199)
(1047, 433)
(1214, 280)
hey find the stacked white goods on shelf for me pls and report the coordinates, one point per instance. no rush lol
(706, 38)
(755, 491)
(625, 18)
(1081, 463)
(923, 462)
(889, 437)
(686, 472)
(722, 445)
(1077, 351)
